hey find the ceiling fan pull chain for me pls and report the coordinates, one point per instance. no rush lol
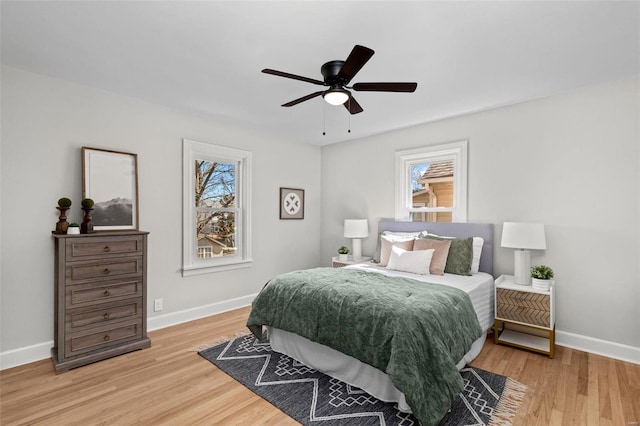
(324, 119)
(349, 130)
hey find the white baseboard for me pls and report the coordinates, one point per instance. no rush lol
(175, 318)
(599, 347)
(20, 356)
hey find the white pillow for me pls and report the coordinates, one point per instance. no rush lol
(392, 237)
(478, 242)
(416, 262)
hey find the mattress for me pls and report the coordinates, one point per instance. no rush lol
(375, 382)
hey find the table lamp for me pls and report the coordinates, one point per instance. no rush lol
(523, 237)
(356, 229)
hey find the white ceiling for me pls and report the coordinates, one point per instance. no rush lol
(205, 57)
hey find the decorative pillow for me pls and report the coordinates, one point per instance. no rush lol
(439, 259)
(460, 255)
(478, 242)
(392, 236)
(386, 244)
(416, 262)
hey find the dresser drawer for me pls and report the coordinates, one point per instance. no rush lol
(528, 308)
(84, 248)
(103, 269)
(80, 295)
(103, 314)
(103, 337)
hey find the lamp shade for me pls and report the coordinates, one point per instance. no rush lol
(356, 228)
(527, 236)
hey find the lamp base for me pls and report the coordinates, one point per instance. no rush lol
(357, 249)
(522, 267)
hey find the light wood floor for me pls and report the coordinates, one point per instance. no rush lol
(170, 384)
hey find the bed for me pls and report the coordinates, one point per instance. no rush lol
(381, 354)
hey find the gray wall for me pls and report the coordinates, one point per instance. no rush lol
(45, 122)
(570, 161)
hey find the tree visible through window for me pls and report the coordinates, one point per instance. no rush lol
(215, 198)
(217, 225)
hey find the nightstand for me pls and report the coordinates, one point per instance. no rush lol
(336, 263)
(525, 318)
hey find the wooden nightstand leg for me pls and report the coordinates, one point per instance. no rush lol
(496, 331)
(552, 342)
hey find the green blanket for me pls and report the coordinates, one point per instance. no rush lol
(414, 331)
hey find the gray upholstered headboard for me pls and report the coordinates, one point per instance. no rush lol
(458, 230)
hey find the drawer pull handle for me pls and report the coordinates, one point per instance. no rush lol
(107, 293)
(106, 271)
(107, 248)
(106, 315)
(106, 338)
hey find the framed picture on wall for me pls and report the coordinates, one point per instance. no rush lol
(291, 203)
(110, 179)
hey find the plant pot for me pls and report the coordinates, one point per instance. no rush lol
(62, 225)
(343, 257)
(86, 227)
(73, 230)
(540, 284)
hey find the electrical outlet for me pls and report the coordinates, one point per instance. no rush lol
(157, 305)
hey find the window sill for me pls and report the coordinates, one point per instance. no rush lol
(189, 271)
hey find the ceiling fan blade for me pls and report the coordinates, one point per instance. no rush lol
(385, 87)
(302, 99)
(353, 106)
(356, 60)
(293, 76)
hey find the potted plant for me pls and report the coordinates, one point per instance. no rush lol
(73, 229)
(343, 253)
(541, 276)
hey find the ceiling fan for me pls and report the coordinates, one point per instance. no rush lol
(337, 75)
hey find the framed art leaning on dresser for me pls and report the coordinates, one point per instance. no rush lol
(110, 179)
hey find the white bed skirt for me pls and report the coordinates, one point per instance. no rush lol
(349, 369)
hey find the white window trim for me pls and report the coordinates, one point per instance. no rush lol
(456, 151)
(192, 151)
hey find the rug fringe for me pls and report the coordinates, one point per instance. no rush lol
(511, 399)
(222, 339)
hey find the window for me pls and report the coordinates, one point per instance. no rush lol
(205, 252)
(216, 216)
(431, 183)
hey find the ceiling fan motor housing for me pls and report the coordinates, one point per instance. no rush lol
(330, 71)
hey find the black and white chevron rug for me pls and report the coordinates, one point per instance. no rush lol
(313, 398)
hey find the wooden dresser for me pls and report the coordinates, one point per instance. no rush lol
(100, 297)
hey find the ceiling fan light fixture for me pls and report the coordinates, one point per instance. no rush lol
(336, 96)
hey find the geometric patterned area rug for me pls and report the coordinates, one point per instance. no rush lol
(313, 398)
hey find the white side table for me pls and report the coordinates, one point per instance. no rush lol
(525, 317)
(337, 263)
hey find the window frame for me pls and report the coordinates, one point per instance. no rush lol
(405, 159)
(191, 264)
